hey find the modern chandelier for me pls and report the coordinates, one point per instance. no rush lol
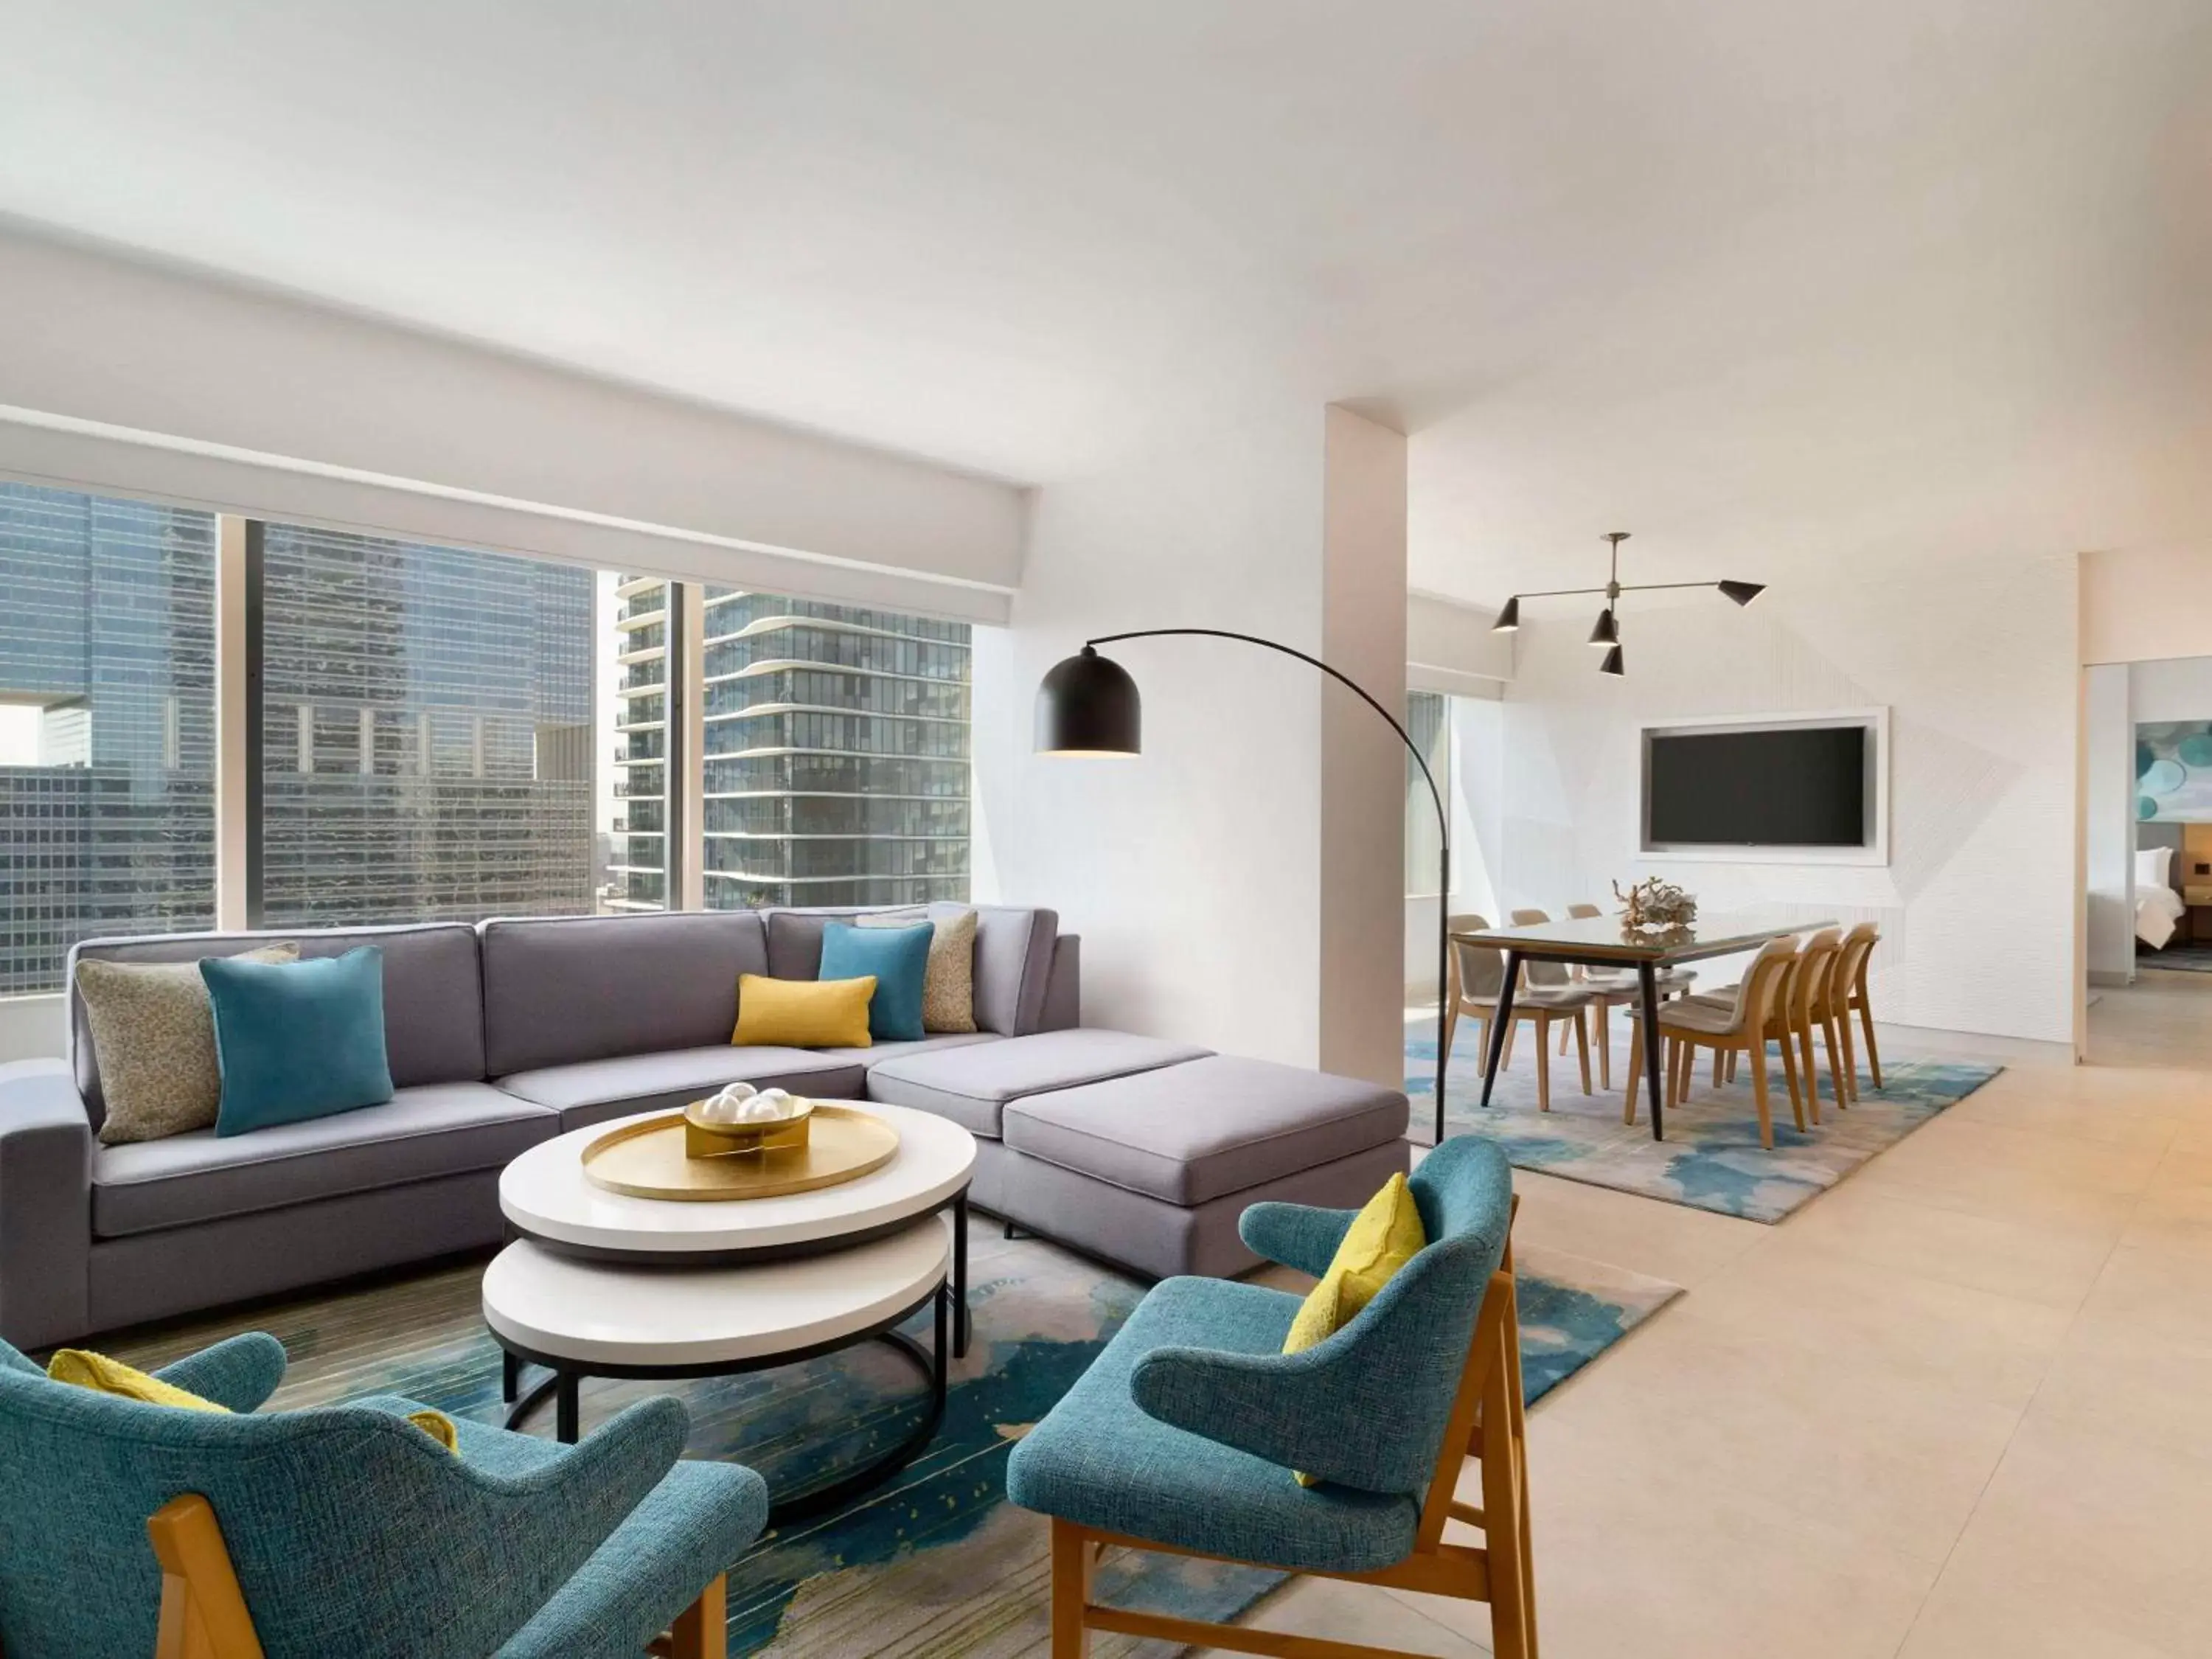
(1607, 631)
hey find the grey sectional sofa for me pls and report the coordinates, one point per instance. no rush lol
(504, 1034)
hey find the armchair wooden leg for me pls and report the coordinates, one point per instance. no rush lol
(1072, 1560)
(701, 1630)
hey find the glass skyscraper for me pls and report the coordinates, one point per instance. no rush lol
(426, 732)
(836, 769)
(107, 691)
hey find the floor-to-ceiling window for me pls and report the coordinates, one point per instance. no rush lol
(434, 732)
(1428, 723)
(106, 725)
(426, 731)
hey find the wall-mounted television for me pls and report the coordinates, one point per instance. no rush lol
(1773, 789)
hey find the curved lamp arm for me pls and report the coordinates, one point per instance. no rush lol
(1435, 796)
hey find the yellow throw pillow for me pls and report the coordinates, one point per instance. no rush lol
(439, 1427)
(96, 1372)
(1383, 1237)
(804, 1013)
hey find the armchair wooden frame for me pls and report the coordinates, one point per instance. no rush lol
(1488, 1422)
(204, 1616)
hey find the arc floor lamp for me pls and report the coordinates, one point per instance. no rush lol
(1088, 705)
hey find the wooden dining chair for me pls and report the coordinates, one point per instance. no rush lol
(1690, 1024)
(1847, 994)
(1478, 979)
(1609, 989)
(1800, 1007)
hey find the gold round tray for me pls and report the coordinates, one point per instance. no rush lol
(647, 1159)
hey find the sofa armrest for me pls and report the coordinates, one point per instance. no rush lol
(45, 1204)
(1295, 1235)
(1063, 986)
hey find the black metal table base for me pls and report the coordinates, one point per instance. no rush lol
(1647, 984)
(566, 1375)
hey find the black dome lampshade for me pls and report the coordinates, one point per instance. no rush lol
(1509, 618)
(1741, 592)
(1606, 632)
(1611, 665)
(1088, 705)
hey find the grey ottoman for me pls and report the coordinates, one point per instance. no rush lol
(1153, 1168)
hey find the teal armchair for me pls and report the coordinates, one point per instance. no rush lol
(1183, 1435)
(129, 1529)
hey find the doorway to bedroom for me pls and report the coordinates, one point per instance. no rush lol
(2148, 844)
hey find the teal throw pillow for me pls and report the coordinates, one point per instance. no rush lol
(297, 1039)
(899, 959)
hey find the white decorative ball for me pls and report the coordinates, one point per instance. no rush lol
(760, 1110)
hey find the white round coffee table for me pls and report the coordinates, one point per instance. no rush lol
(604, 1285)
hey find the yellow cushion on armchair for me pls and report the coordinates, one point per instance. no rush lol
(1383, 1237)
(83, 1369)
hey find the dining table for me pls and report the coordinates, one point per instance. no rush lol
(1608, 942)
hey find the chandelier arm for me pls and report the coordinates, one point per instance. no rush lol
(1650, 587)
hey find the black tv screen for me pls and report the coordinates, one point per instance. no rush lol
(1794, 788)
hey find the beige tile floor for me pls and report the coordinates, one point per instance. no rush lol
(1961, 1407)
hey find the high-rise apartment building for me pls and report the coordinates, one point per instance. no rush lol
(637, 858)
(107, 705)
(426, 731)
(834, 768)
(836, 754)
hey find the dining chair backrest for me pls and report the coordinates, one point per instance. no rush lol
(1755, 992)
(1809, 985)
(1583, 912)
(1536, 972)
(1480, 968)
(1848, 978)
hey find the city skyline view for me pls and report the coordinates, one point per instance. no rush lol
(445, 734)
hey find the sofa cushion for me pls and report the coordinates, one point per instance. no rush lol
(1193, 1132)
(1014, 954)
(594, 1091)
(434, 1010)
(972, 1085)
(562, 989)
(426, 1130)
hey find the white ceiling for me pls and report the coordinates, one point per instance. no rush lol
(1764, 281)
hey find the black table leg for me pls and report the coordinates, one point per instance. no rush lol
(960, 1327)
(510, 1377)
(1501, 1021)
(1647, 981)
(565, 1427)
(937, 1374)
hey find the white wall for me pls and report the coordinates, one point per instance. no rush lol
(1976, 662)
(1195, 872)
(122, 377)
(2108, 748)
(2141, 604)
(2174, 689)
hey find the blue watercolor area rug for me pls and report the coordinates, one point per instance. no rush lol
(1711, 1159)
(935, 1561)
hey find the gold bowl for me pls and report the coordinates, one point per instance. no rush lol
(704, 1140)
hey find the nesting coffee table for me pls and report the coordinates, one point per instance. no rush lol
(599, 1284)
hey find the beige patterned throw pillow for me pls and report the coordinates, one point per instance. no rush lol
(948, 991)
(154, 1036)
